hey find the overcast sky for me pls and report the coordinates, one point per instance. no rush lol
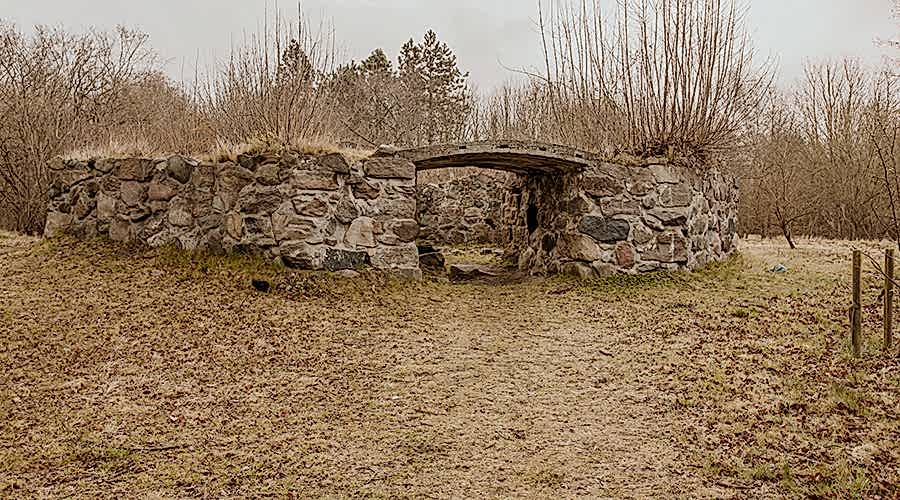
(486, 34)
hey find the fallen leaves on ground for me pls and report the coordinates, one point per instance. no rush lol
(128, 372)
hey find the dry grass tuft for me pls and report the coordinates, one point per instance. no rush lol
(228, 151)
(139, 148)
(223, 152)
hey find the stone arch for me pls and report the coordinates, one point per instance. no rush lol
(511, 156)
(588, 216)
(464, 210)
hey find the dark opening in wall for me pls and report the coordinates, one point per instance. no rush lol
(532, 217)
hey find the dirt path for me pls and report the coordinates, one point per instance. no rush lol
(136, 376)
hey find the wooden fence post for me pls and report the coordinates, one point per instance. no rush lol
(888, 299)
(856, 309)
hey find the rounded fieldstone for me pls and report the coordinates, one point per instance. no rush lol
(134, 169)
(337, 260)
(579, 270)
(133, 193)
(625, 255)
(299, 255)
(407, 230)
(179, 217)
(578, 247)
(179, 169)
(605, 230)
(267, 175)
(311, 208)
(346, 211)
(335, 162)
(433, 261)
(160, 192)
(361, 233)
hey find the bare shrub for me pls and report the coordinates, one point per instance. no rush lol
(272, 86)
(56, 89)
(650, 77)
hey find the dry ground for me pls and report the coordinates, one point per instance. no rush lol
(131, 373)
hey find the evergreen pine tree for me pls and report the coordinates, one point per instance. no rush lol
(377, 64)
(294, 64)
(437, 89)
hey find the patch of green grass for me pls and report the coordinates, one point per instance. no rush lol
(740, 312)
(841, 480)
(712, 467)
(770, 472)
(847, 399)
(762, 472)
(718, 273)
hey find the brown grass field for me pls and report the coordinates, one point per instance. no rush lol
(133, 373)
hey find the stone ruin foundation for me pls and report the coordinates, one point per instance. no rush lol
(586, 217)
(474, 209)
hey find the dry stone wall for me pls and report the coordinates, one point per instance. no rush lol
(309, 212)
(325, 212)
(479, 209)
(615, 218)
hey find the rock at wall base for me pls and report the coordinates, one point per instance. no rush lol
(464, 272)
(605, 230)
(433, 261)
(342, 260)
(299, 255)
(579, 270)
(410, 273)
(57, 223)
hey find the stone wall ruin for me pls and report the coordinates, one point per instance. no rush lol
(473, 209)
(569, 212)
(616, 218)
(307, 212)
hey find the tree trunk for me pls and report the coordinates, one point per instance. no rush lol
(786, 230)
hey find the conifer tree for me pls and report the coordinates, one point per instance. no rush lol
(294, 64)
(377, 64)
(437, 89)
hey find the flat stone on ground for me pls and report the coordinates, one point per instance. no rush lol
(469, 272)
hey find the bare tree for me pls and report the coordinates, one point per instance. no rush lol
(829, 167)
(779, 177)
